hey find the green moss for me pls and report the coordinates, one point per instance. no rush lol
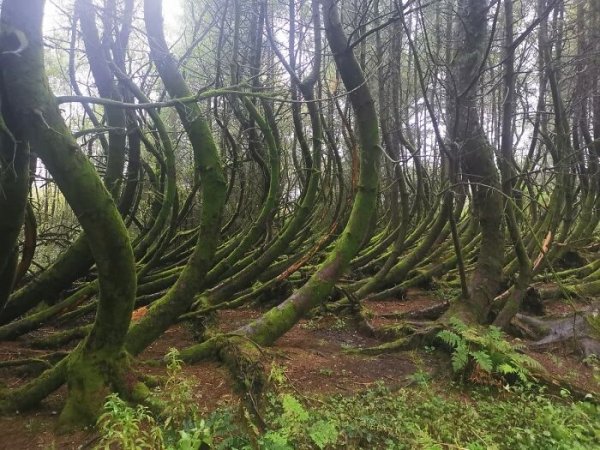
(91, 377)
(140, 392)
(34, 109)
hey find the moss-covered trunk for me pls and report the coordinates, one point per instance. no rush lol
(14, 186)
(213, 190)
(281, 318)
(477, 155)
(76, 261)
(92, 370)
(525, 270)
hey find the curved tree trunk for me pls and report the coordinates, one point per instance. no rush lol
(276, 322)
(477, 156)
(213, 190)
(95, 368)
(14, 187)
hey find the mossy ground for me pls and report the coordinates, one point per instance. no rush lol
(430, 415)
(399, 400)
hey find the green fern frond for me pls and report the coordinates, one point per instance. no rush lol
(460, 357)
(495, 332)
(527, 361)
(458, 325)
(483, 360)
(450, 338)
(506, 369)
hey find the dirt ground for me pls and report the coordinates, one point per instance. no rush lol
(312, 355)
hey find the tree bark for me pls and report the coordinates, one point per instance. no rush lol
(96, 366)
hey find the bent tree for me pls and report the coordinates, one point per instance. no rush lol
(96, 367)
(296, 157)
(476, 154)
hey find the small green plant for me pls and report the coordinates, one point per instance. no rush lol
(293, 427)
(177, 395)
(347, 347)
(126, 427)
(592, 360)
(476, 351)
(339, 324)
(178, 427)
(432, 416)
(277, 374)
(445, 292)
(312, 324)
(420, 377)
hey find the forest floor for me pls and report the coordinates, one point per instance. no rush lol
(313, 357)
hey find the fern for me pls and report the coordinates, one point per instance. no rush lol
(450, 338)
(527, 362)
(487, 349)
(460, 357)
(483, 360)
(293, 409)
(458, 325)
(506, 369)
(494, 333)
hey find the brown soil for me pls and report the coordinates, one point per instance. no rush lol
(313, 357)
(570, 368)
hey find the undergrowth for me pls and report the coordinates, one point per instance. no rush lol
(485, 356)
(433, 414)
(178, 426)
(419, 418)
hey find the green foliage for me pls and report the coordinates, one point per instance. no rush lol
(179, 409)
(487, 351)
(277, 374)
(419, 418)
(293, 426)
(445, 292)
(428, 416)
(126, 427)
(420, 377)
(594, 321)
(339, 324)
(179, 426)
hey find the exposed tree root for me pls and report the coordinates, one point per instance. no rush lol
(29, 395)
(575, 331)
(430, 313)
(91, 377)
(60, 338)
(359, 314)
(244, 359)
(408, 337)
(34, 366)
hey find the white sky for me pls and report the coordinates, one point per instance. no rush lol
(172, 13)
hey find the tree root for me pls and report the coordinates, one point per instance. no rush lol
(430, 313)
(425, 334)
(244, 359)
(34, 366)
(558, 385)
(576, 331)
(360, 314)
(60, 338)
(419, 334)
(91, 376)
(31, 394)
